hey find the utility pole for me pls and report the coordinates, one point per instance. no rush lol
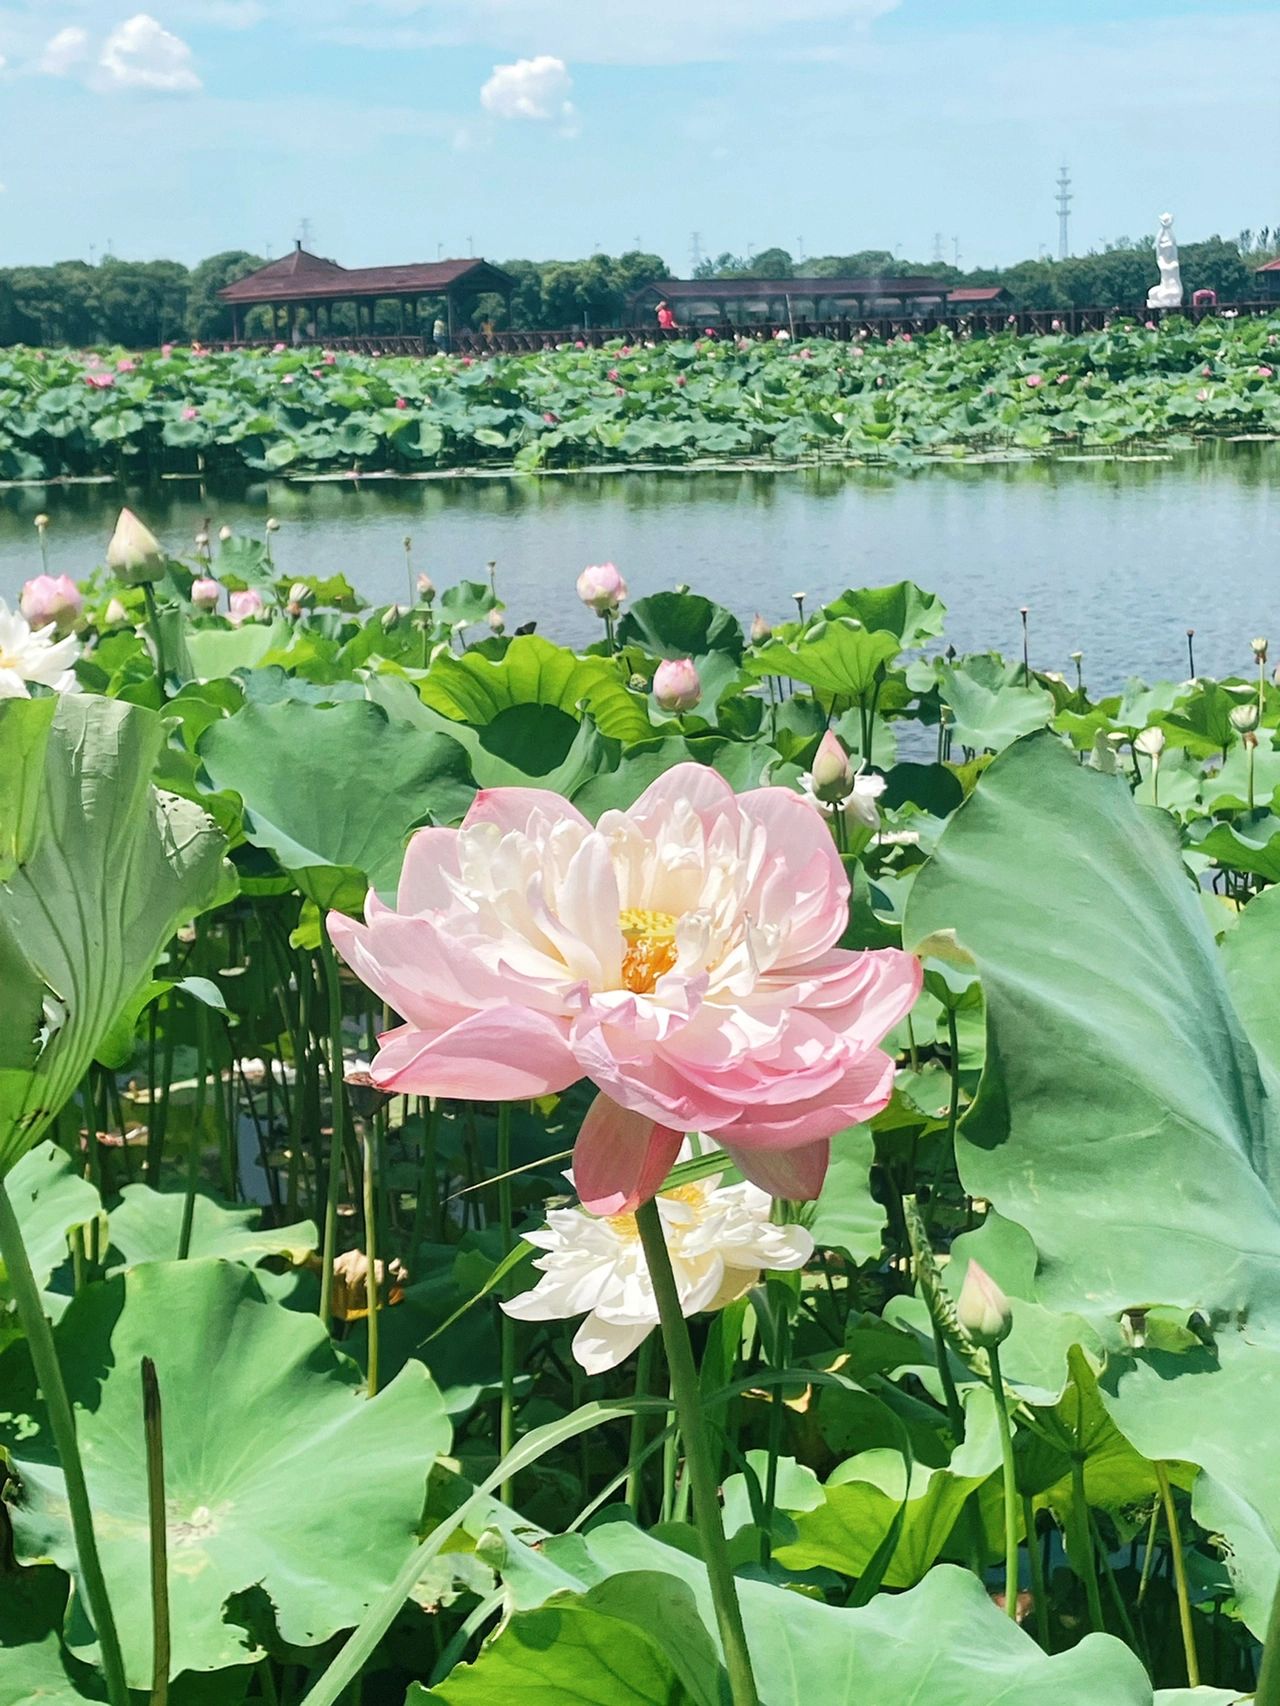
(695, 252)
(937, 248)
(471, 246)
(1065, 198)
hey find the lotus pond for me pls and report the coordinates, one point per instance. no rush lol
(900, 403)
(702, 1166)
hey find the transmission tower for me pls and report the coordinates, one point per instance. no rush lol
(955, 252)
(937, 248)
(1065, 198)
(695, 251)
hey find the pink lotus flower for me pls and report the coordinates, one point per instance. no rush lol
(601, 588)
(1202, 396)
(100, 381)
(680, 379)
(1034, 380)
(551, 419)
(619, 391)
(329, 358)
(681, 955)
(190, 413)
(205, 593)
(125, 364)
(676, 684)
(245, 605)
(166, 350)
(1062, 379)
(1265, 372)
(1206, 373)
(277, 349)
(287, 379)
(52, 599)
(402, 402)
(906, 337)
(613, 374)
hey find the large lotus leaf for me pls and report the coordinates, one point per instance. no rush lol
(742, 764)
(1121, 1117)
(943, 1641)
(532, 671)
(341, 787)
(902, 609)
(1250, 954)
(839, 658)
(49, 1198)
(215, 652)
(681, 625)
(35, 1667)
(1251, 843)
(990, 705)
(635, 1639)
(846, 1216)
(111, 868)
(279, 1473)
(146, 1226)
(24, 732)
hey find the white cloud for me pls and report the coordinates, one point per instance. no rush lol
(142, 54)
(535, 89)
(63, 52)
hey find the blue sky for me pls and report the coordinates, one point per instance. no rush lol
(403, 128)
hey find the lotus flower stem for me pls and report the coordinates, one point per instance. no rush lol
(62, 1425)
(197, 1117)
(635, 1447)
(506, 1325)
(371, 1263)
(1180, 1583)
(154, 1431)
(338, 1134)
(157, 639)
(1011, 1510)
(706, 1501)
(1039, 1587)
(1148, 1555)
(428, 1187)
(1081, 1512)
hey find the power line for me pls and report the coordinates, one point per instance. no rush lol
(1065, 198)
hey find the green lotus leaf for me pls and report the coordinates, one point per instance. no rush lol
(146, 1226)
(532, 671)
(681, 625)
(267, 1436)
(903, 609)
(839, 658)
(35, 1667)
(111, 868)
(340, 787)
(990, 705)
(50, 1200)
(846, 1216)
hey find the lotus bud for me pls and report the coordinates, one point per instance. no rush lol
(832, 772)
(601, 588)
(41, 522)
(205, 593)
(52, 599)
(760, 630)
(225, 533)
(1077, 657)
(426, 589)
(496, 621)
(273, 526)
(134, 552)
(300, 595)
(1150, 743)
(202, 541)
(1244, 718)
(1259, 650)
(390, 616)
(115, 615)
(982, 1309)
(676, 686)
(245, 605)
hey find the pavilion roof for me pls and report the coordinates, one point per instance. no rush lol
(738, 289)
(1269, 266)
(304, 277)
(977, 293)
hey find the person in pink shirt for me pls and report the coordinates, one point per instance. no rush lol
(666, 319)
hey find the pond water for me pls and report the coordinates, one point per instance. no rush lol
(1116, 558)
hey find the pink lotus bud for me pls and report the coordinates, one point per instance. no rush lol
(1265, 372)
(426, 588)
(760, 630)
(601, 588)
(134, 552)
(126, 364)
(676, 686)
(497, 621)
(245, 606)
(51, 599)
(1034, 380)
(982, 1309)
(402, 402)
(832, 772)
(190, 413)
(205, 593)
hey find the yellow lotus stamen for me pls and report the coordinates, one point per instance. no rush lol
(651, 947)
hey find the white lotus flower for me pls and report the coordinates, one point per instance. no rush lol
(719, 1239)
(33, 654)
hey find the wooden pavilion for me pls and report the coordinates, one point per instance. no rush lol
(302, 289)
(777, 299)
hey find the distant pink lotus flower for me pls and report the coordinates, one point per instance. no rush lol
(550, 419)
(52, 599)
(287, 378)
(580, 344)
(1206, 373)
(1265, 372)
(468, 361)
(190, 413)
(680, 379)
(166, 350)
(125, 364)
(681, 955)
(402, 402)
(245, 605)
(677, 685)
(620, 390)
(100, 381)
(906, 337)
(613, 373)
(625, 350)
(1151, 326)
(277, 349)
(1034, 380)
(329, 358)
(1202, 396)
(205, 593)
(1055, 325)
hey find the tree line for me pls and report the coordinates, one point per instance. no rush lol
(141, 304)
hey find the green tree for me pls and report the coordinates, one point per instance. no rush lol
(206, 316)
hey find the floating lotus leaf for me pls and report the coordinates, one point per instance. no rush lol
(146, 1226)
(279, 1473)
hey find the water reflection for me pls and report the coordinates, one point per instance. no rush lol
(1115, 557)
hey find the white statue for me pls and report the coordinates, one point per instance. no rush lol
(1168, 293)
